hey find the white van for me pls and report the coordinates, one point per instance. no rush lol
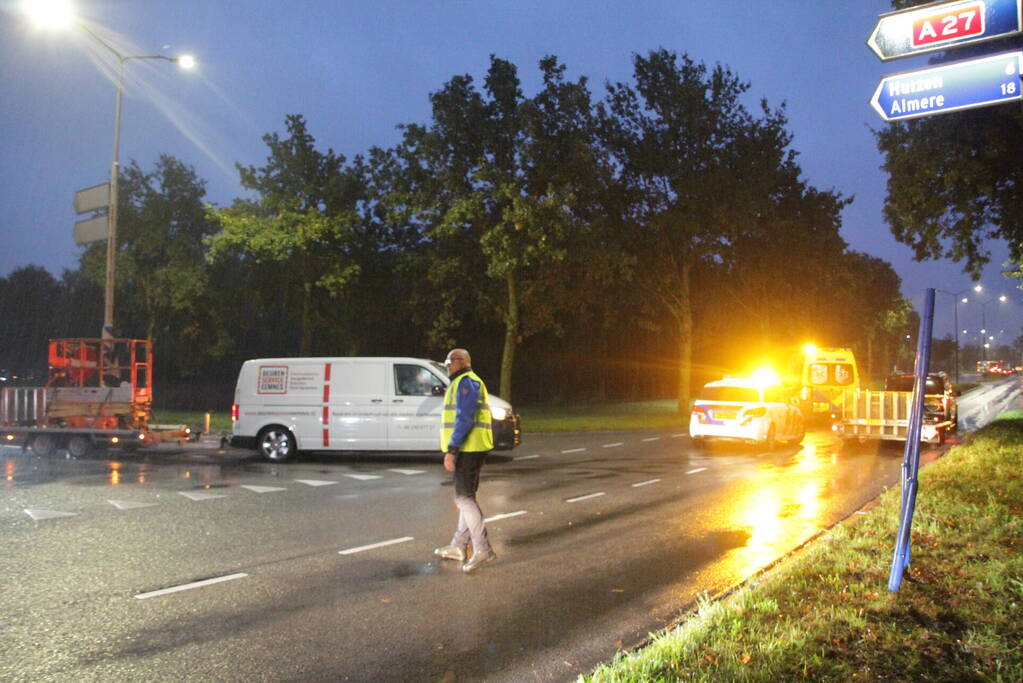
(285, 405)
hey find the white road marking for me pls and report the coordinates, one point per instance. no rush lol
(676, 436)
(644, 483)
(574, 450)
(652, 438)
(527, 457)
(505, 516)
(48, 514)
(614, 445)
(189, 586)
(588, 495)
(130, 505)
(315, 482)
(371, 546)
(195, 495)
(409, 472)
(263, 489)
(363, 477)
(698, 469)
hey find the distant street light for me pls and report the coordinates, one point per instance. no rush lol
(955, 314)
(59, 14)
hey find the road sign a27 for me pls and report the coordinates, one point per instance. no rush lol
(944, 25)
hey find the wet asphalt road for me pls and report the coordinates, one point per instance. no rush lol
(325, 568)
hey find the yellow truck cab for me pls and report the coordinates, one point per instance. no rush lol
(825, 374)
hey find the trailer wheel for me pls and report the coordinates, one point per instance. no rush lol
(276, 444)
(79, 446)
(44, 444)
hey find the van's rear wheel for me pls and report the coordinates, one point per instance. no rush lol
(276, 444)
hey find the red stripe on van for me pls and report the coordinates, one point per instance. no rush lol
(326, 417)
(326, 393)
(326, 373)
(326, 437)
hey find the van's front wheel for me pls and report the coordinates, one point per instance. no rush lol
(276, 444)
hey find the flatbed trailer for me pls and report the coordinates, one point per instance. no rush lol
(98, 395)
(865, 415)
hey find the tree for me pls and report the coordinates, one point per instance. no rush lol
(302, 223)
(28, 297)
(497, 204)
(697, 168)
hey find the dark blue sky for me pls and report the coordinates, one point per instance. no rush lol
(357, 69)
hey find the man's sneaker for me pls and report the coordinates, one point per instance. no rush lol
(478, 560)
(450, 552)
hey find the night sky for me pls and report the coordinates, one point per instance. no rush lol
(356, 70)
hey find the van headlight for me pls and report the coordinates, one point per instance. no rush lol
(498, 412)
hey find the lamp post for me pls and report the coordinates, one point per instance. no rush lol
(955, 316)
(57, 13)
(983, 322)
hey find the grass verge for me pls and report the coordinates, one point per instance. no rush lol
(554, 418)
(827, 614)
(195, 420)
(584, 417)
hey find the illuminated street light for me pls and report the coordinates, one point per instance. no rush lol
(59, 14)
(49, 14)
(955, 323)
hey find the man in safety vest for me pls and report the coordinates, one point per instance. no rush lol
(465, 439)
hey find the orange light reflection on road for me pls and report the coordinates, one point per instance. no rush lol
(114, 477)
(782, 508)
(9, 467)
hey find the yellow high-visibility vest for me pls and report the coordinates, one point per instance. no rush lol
(481, 437)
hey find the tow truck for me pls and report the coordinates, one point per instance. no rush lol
(98, 395)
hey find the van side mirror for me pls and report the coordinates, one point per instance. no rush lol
(438, 390)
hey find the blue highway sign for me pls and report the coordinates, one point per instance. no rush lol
(961, 85)
(939, 26)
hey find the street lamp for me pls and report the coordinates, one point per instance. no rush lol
(58, 13)
(955, 315)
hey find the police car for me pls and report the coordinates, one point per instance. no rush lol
(753, 409)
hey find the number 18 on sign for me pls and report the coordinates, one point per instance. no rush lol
(953, 87)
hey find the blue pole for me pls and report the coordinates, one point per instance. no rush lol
(911, 454)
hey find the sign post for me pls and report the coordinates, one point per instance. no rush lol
(95, 198)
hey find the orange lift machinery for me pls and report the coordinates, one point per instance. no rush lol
(98, 395)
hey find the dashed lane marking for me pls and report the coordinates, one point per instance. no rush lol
(652, 438)
(363, 477)
(189, 586)
(371, 546)
(527, 457)
(678, 436)
(407, 472)
(315, 482)
(263, 489)
(574, 450)
(698, 469)
(587, 496)
(38, 515)
(195, 495)
(645, 483)
(614, 445)
(505, 516)
(130, 504)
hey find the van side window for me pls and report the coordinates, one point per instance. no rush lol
(414, 380)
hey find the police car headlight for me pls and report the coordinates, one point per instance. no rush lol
(498, 412)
